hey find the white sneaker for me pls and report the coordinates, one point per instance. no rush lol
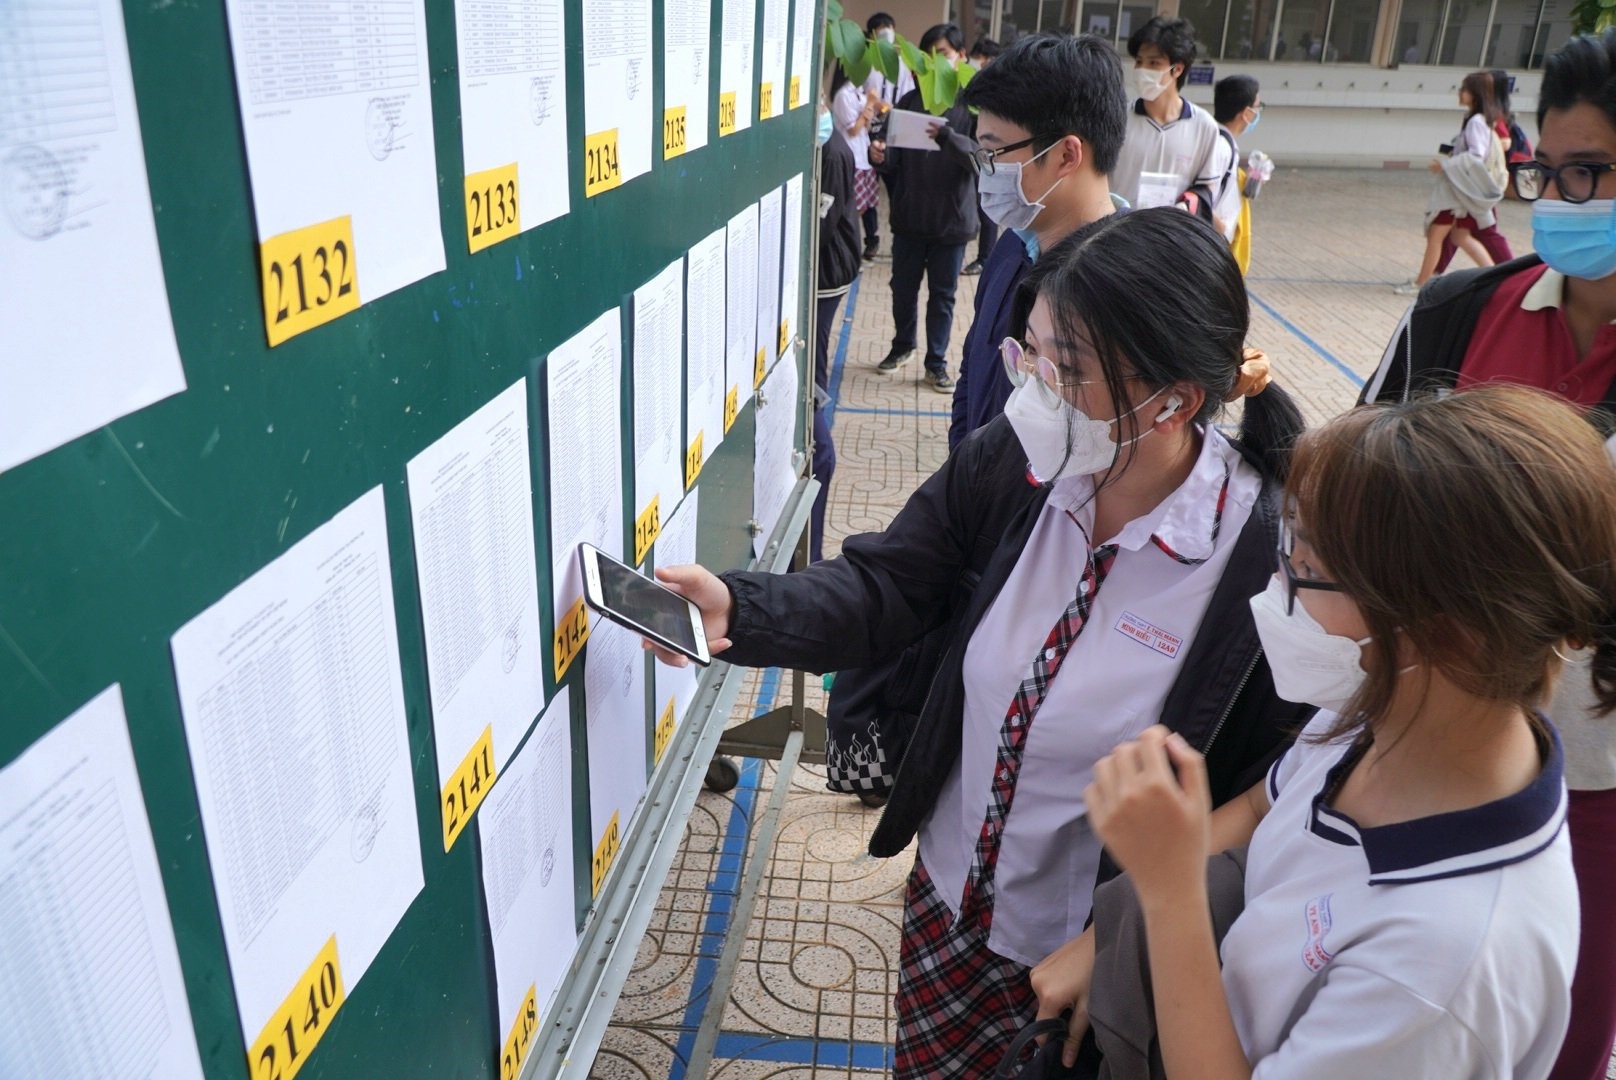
(1407, 288)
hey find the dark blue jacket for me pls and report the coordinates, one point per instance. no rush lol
(981, 389)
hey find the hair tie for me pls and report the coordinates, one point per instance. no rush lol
(1253, 377)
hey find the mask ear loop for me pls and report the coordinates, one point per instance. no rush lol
(1566, 659)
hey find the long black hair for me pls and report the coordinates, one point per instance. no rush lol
(1159, 297)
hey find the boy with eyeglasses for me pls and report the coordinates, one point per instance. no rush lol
(1546, 320)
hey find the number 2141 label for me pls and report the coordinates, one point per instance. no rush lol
(309, 277)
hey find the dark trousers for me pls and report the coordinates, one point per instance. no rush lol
(872, 223)
(940, 263)
(1490, 238)
(987, 234)
(824, 445)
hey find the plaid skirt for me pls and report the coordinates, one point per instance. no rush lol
(959, 1004)
(866, 188)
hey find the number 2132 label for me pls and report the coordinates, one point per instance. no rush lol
(309, 277)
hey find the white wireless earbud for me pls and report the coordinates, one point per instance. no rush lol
(1174, 404)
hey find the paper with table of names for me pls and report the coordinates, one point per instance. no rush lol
(513, 104)
(583, 435)
(774, 472)
(802, 85)
(768, 279)
(791, 265)
(676, 686)
(471, 510)
(526, 835)
(76, 232)
(741, 267)
(86, 932)
(618, 121)
(293, 706)
(614, 704)
(736, 66)
(686, 71)
(705, 346)
(659, 310)
(336, 108)
(772, 61)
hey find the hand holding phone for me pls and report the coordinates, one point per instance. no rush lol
(665, 619)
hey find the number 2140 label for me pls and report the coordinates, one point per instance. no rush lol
(296, 1027)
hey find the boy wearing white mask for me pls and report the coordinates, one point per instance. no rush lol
(1546, 320)
(1171, 142)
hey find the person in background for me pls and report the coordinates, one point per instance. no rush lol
(1171, 143)
(1237, 107)
(933, 218)
(1469, 182)
(884, 97)
(853, 111)
(839, 266)
(981, 55)
(1513, 139)
(1050, 117)
(1545, 320)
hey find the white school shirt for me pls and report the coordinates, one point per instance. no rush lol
(1439, 947)
(1181, 147)
(844, 109)
(1225, 165)
(1110, 688)
(886, 89)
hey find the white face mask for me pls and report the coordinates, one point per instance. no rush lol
(1002, 198)
(1042, 426)
(1151, 83)
(887, 34)
(1310, 665)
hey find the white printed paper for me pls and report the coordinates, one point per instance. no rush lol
(336, 107)
(706, 343)
(737, 64)
(294, 712)
(525, 829)
(1158, 189)
(76, 232)
(802, 83)
(617, 83)
(471, 511)
(768, 277)
(91, 977)
(513, 98)
(687, 66)
(774, 473)
(772, 88)
(614, 702)
(908, 130)
(584, 433)
(742, 305)
(791, 266)
(677, 547)
(659, 310)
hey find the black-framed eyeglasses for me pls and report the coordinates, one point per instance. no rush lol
(987, 157)
(1576, 180)
(1287, 548)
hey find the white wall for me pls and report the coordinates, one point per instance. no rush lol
(1356, 115)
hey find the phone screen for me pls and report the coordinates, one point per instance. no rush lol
(645, 602)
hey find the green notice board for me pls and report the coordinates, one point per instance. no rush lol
(112, 542)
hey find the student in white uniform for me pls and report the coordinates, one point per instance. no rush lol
(1171, 143)
(1122, 534)
(1410, 907)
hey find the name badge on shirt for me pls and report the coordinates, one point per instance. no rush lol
(1149, 635)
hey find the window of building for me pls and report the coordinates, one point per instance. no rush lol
(1208, 18)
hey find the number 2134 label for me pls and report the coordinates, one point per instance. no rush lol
(309, 277)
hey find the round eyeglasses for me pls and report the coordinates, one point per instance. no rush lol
(1576, 180)
(1019, 363)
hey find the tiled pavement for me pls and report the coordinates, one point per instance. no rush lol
(813, 997)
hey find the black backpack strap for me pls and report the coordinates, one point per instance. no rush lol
(1054, 1027)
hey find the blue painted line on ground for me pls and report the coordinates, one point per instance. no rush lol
(941, 413)
(839, 361)
(1356, 379)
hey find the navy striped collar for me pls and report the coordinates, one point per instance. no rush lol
(1184, 111)
(1485, 837)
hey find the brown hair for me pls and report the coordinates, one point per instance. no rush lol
(1482, 98)
(1479, 527)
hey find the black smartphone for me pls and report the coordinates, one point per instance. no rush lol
(643, 605)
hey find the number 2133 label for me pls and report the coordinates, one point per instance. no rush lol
(491, 207)
(309, 277)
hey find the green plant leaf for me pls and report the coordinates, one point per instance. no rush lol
(965, 72)
(918, 61)
(945, 88)
(849, 46)
(885, 60)
(927, 82)
(833, 10)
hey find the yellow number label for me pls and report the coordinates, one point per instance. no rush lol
(605, 852)
(765, 101)
(673, 132)
(491, 207)
(731, 407)
(785, 337)
(467, 787)
(647, 527)
(295, 1028)
(726, 113)
(693, 460)
(794, 92)
(664, 730)
(601, 171)
(570, 636)
(309, 277)
(759, 367)
(520, 1038)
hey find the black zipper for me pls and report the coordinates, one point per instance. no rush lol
(1217, 729)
